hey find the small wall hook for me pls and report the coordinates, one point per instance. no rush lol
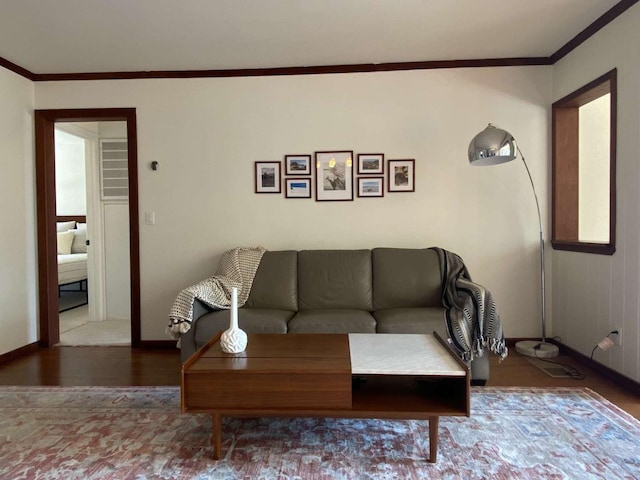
(154, 165)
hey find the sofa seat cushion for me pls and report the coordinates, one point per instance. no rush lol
(332, 321)
(251, 320)
(411, 320)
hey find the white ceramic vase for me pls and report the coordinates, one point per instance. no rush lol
(234, 339)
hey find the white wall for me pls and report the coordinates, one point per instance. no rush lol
(206, 134)
(71, 188)
(112, 129)
(18, 281)
(593, 293)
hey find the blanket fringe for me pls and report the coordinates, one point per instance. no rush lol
(481, 345)
(499, 347)
(177, 327)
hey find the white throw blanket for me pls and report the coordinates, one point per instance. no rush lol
(237, 269)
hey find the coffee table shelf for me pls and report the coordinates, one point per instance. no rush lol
(409, 397)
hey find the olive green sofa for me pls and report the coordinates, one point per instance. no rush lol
(383, 290)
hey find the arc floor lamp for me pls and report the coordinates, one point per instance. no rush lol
(494, 146)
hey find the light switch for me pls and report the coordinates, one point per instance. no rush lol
(150, 218)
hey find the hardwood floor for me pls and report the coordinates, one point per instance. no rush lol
(113, 366)
(517, 371)
(107, 366)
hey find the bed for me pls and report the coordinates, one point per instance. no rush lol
(72, 268)
(72, 258)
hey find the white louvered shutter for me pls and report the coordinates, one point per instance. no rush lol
(114, 172)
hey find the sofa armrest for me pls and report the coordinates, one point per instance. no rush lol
(188, 340)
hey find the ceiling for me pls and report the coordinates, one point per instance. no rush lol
(73, 36)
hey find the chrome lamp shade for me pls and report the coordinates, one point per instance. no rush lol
(494, 146)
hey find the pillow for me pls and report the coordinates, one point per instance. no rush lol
(81, 226)
(79, 244)
(65, 239)
(64, 226)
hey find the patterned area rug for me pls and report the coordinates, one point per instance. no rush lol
(139, 433)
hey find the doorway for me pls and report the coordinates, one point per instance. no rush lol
(45, 121)
(92, 197)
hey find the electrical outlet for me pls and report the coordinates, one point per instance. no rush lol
(617, 337)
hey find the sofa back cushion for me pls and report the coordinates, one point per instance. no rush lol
(405, 277)
(334, 279)
(275, 284)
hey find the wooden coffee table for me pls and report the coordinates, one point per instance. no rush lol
(328, 375)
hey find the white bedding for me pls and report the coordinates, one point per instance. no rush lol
(72, 268)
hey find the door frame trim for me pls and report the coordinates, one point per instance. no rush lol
(46, 213)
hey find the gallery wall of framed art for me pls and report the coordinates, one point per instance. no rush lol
(335, 176)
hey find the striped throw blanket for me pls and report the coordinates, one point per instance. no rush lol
(472, 319)
(237, 268)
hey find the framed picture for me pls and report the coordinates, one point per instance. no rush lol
(370, 186)
(267, 177)
(297, 187)
(334, 176)
(401, 175)
(297, 164)
(371, 163)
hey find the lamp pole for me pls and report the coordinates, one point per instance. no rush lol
(530, 348)
(494, 146)
(542, 259)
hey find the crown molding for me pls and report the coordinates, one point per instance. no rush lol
(594, 27)
(280, 71)
(16, 69)
(604, 20)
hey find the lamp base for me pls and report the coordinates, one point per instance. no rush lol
(533, 348)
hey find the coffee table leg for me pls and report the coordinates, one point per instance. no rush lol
(433, 439)
(216, 434)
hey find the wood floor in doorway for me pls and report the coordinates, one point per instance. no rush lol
(77, 330)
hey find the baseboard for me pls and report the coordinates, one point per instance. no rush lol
(622, 380)
(19, 352)
(616, 377)
(158, 344)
